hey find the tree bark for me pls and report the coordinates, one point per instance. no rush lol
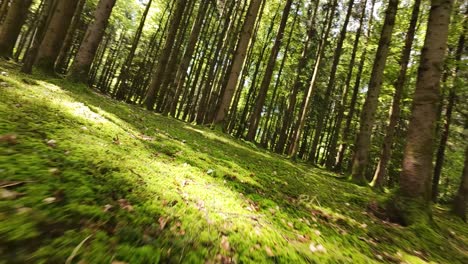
(55, 34)
(412, 201)
(261, 97)
(448, 112)
(238, 61)
(296, 134)
(11, 28)
(379, 179)
(157, 78)
(363, 142)
(93, 37)
(38, 36)
(62, 60)
(461, 199)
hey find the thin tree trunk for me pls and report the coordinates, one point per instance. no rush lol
(305, 110)
(33, 51)
(363, 142)
(158, 77)
(379, 179)
(84, 58)
(239, 60)
(261, 97)
(62, 59)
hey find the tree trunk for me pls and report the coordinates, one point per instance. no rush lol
(332, 79)
(460, 201)
(57, 28)
(448, 112)
(38, 36)
(238, 61)
(93, 37)
(411, 203)
(379, 179)
(62, 59)
(11, 28)
(4, 10)
(363, 142)
(157, 78)
(296, 134)
(261, 97)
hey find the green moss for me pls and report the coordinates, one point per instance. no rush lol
(151, 189)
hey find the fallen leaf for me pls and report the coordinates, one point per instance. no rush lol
(124, 204)
(225, 243)
(107, 208)
(52, 143)
(54, 171)
(162, 222)
(317, 248)
(269, 252)
(9, 139)
(49, 200)
(9, 195)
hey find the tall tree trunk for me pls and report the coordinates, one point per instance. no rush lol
(62, 59)
(363, 142)
(11, 28)
(460, 201)
(238, 61)
(124, 73)
(379, 179)
(158, 77)
(412, 201)
(261, 97)
(38, 36)
(93, 37)
(340, 151)
(331, 82)
(448, 112)
(301, 65)
(296, 134)
(57, 28)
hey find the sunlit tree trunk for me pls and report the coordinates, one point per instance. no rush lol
(54, 37)
(93, 37)
(238, 61)
(363, 142)
(448, 112)
(158, 75)
(379, 179)
(261, 96)
(411, 204)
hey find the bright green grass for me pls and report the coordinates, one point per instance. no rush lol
(193, 195)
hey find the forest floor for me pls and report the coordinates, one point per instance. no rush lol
(87, 179)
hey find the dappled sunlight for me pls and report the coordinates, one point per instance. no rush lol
(164, 189)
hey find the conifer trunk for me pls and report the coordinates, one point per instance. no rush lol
(11, 27)
(363, 142)
(412, 201)
(93, 37)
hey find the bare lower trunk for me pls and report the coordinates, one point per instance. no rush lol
(11, 28)
(363, 142)
(93, 37)
(414, 195)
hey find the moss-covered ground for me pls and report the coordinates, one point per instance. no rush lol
(86, 179)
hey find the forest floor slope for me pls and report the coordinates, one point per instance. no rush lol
(86, 179)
